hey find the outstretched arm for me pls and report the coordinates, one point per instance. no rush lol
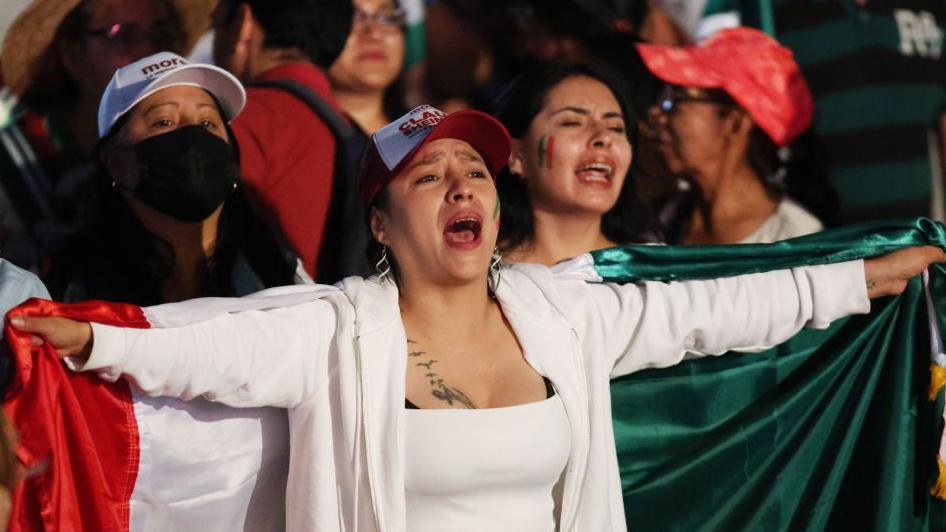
(271, 357)
(656, 324)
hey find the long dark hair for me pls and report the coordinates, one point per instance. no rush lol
(318, 28)
(116, 258)
(628, 221)
(799, 171)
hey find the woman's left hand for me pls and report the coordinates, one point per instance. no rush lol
(887, 275)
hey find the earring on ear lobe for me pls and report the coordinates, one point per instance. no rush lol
(383, 267)
(495, 273)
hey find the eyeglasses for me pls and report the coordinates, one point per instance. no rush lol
(387, 19)
(673, 95)
(128, 36)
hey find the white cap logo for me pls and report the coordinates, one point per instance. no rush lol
(395, 140)
(136, 81)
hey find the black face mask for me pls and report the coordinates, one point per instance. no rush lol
(186, 173)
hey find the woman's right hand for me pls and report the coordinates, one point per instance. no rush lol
(70, 338)
(887, 275)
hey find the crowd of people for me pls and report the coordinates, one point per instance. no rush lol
(436, 195)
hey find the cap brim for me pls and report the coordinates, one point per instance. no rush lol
(481, 131)
(217, 81)
(678, 66)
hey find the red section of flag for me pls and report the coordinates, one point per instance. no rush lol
(77, 434)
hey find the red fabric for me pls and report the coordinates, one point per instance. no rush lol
(77, 434)
(759, 73)
(287, 156)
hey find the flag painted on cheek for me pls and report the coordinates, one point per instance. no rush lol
(546, 149)
(803, 436)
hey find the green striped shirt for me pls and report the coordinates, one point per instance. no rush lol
(878, 76)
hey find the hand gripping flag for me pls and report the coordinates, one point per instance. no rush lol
(832, 430)
(100, 456)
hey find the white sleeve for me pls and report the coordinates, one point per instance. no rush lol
(655, 324)
(275, 357)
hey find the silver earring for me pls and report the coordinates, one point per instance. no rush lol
(495, 272)
(383, 267)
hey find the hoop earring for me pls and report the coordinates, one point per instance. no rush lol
(495, 273)
(383, 267)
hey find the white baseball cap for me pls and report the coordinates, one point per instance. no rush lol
(136, 81)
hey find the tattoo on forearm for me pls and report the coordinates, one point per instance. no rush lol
(871, 284)
(440, 389)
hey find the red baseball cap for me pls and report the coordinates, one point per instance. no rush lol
(754, 69)
(392, 147)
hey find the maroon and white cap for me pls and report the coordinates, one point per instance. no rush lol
(394, 145)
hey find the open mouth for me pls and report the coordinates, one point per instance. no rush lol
(596, 172)
(463, 230)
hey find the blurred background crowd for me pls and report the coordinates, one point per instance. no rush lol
(737, 122)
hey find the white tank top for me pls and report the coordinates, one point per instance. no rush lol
(488, 469)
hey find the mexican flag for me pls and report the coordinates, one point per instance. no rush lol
(836, 429)
(833, 430)
(102, 456)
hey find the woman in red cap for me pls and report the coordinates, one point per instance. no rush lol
(508, 367)
(729, 113)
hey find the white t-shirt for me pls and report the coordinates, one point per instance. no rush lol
(788, 221)
(489, 469)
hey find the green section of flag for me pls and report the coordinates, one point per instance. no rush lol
(831, 430)
(415, 44)
(415, 34)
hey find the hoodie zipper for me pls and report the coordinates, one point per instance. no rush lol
(359, 369)
(572, 506)
(379, 518)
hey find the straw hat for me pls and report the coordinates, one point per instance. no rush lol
(31, 34)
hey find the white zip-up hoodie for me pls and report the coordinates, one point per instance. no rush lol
(337, 356)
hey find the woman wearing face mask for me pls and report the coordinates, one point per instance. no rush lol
(168, 221)
(508, 368)
(171, 225)
(364, 77)
(725, 124)
(568, 190)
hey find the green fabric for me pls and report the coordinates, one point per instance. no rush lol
(831, 430)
